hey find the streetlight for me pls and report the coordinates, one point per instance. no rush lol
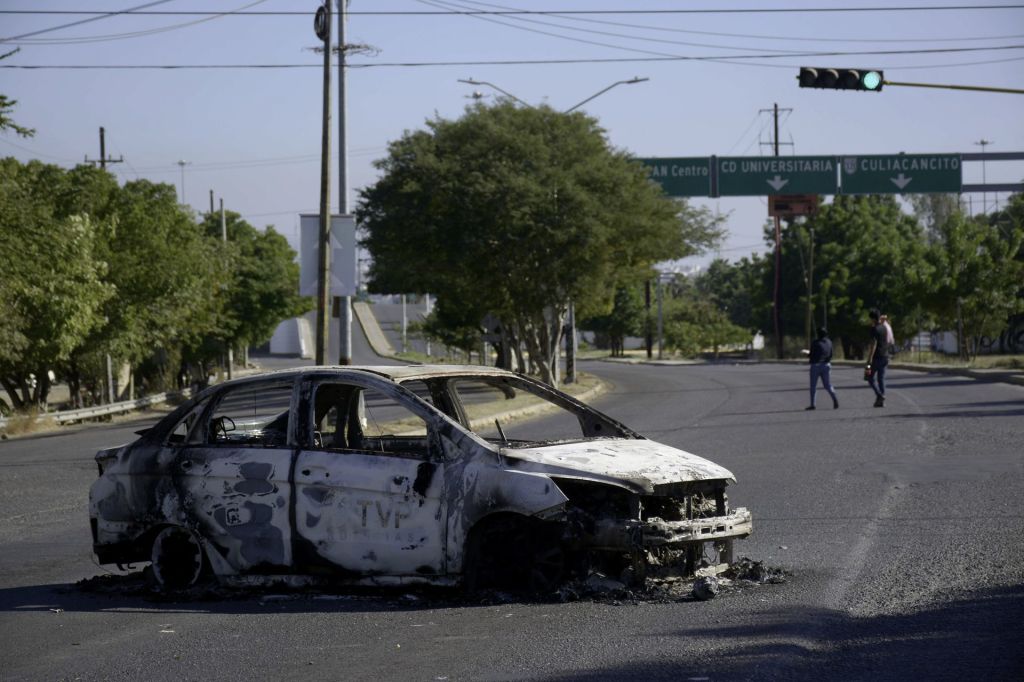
(635, 79)
(984, 195)
(182, 163)
(570, 327)
(470, 81)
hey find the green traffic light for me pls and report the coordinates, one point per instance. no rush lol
(872, 80)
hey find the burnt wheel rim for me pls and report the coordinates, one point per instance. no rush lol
(177, 558)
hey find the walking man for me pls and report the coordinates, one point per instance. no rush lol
(878, 357)
(821, 366)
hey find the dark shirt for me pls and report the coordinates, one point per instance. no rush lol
(881, 347)
(821, 351)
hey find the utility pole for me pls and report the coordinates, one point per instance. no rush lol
(103, 161)
(660, 324)
(984, 195)
(211, 202)
(224, 239)
(322, 26)
(776, 302)
(648, 332)
(345, 314)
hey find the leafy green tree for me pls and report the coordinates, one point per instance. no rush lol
(53, 289)
(7, 106)
(264, 286)
(867, 253)
(738, 289)
(693, 326)
(171, 281)
(626, 318)
(979, 274)
(516, 211)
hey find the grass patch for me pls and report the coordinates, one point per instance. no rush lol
(24, 423)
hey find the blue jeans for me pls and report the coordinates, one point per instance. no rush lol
(877, 379)
(823, 370)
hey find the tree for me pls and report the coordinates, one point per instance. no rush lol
(738, 289)
(978, 277)
(867, 253)
(53, 289)
(171, 283)
(934, 210)
(515, 211)
(626, 318)
(7, 106)
(264, 287)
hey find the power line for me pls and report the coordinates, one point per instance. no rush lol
(403, 13)
(732, 59)
(115, 36)
(671, 29)
(742, 35)
(100, 16)
(600, 33)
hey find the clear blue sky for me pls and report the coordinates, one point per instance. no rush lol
(253, 135)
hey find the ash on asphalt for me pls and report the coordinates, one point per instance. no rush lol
(743, 574)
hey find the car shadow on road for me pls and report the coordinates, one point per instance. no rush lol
(61, 598)
(976, 636)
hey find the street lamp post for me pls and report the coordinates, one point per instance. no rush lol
(570, 327)
(984, 181)
(574, 107)
(182, 163)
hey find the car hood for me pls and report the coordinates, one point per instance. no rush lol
(636, 463)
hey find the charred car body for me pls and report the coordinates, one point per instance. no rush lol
(382, 475)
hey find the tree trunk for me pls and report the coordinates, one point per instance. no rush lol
(12, 390)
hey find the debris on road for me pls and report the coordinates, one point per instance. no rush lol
(706, 588)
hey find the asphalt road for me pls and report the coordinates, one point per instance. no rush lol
(901, 527)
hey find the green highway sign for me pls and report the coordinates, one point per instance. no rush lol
(761, 175)
(681, 177)
(901, 173)
(745, 176)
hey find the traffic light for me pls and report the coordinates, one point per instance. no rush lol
(829, 78)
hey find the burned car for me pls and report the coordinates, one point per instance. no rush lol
(412, 474)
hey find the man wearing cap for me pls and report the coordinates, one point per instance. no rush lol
(821, 366)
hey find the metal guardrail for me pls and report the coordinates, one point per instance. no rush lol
(69, 416)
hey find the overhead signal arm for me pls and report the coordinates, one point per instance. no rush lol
(872, 80)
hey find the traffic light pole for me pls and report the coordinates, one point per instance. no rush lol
(977, 88)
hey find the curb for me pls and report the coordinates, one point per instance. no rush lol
(371, 328)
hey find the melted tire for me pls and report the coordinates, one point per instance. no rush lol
(176, 559)
(516, 554)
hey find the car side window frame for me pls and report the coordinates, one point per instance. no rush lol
(400, 395)
(200, 437)
(198, 410)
